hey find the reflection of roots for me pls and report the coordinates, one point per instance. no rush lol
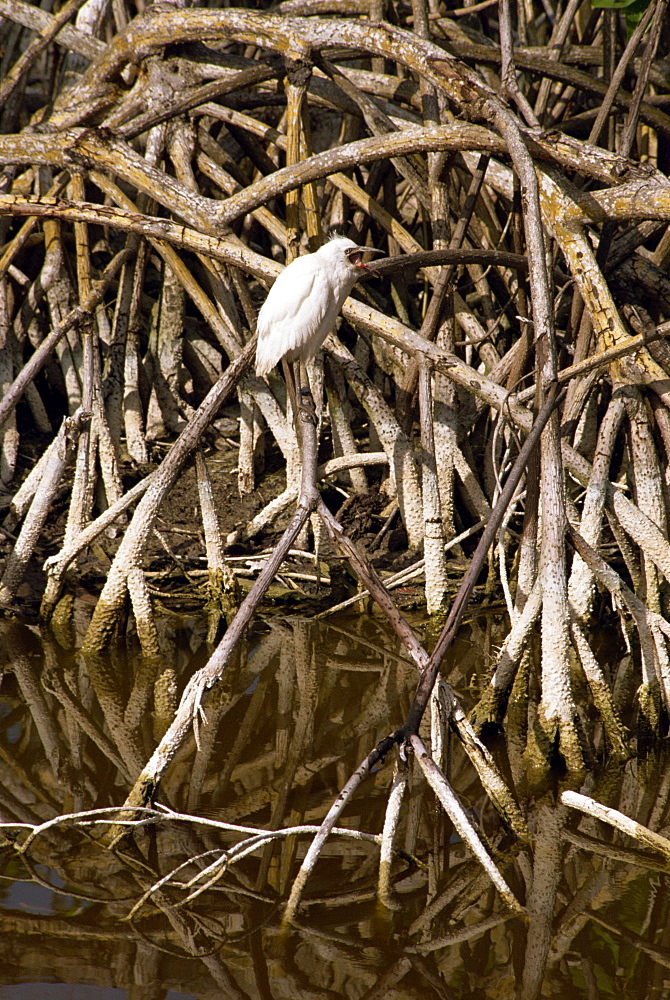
(191, 708)
(435, 777)
(555, 735)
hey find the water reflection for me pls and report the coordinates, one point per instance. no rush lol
(298, 709)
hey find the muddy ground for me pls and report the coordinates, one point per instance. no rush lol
(176, 560)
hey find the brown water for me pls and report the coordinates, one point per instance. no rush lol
(293, 718)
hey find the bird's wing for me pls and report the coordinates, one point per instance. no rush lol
(294, 310)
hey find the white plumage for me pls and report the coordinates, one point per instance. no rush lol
(302, 305)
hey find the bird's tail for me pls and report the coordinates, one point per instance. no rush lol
(265, 361)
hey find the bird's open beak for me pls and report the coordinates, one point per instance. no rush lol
(355, 255)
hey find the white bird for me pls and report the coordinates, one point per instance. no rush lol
(302, 305)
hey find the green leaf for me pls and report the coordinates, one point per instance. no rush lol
(634, 9)
(619, 4)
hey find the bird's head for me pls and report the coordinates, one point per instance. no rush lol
(341, 249)
(355, 255)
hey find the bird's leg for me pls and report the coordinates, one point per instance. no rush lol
(304, 393)
(292, 387)
(300, 394)
(304, 420)
(309, 491)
